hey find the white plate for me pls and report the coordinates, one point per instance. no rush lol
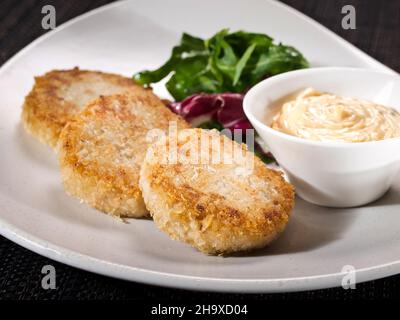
(126, 37)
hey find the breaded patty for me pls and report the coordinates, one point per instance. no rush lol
(102, 148)
(59, 94)
(216, 206)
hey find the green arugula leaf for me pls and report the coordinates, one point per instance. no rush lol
(264, 157)
(242, 63)
(212, 124)
(226, 62)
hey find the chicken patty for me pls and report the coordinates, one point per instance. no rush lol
(102, 148)
(59, 94)
(216, 195)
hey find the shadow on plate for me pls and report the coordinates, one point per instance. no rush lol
(72, 209)
(312, 226)
(33, 149)
(390, 198)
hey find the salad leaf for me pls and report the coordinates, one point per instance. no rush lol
(265, 157)
(212, 124)
(226, 62)
(224, 108)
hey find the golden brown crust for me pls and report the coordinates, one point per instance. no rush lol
(59, 94)
(213, 207)
(102, 147)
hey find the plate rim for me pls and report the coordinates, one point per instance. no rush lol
(145, 276)
(173, 280)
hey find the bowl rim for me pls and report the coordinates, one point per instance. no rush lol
(316, 70)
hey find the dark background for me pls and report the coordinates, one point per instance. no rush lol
(377, 33)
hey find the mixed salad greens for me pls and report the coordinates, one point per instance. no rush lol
(208, 77)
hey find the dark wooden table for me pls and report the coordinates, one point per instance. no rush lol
(377, 33)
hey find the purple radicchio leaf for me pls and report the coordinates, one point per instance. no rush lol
(219, 110)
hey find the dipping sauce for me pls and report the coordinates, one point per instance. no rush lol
(321, 116)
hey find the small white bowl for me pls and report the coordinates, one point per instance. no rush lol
(333, 174)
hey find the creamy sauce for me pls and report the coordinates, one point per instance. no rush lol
(322, 116)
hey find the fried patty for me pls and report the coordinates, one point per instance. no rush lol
(102, 148)
(59, 94)
(217, 207)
